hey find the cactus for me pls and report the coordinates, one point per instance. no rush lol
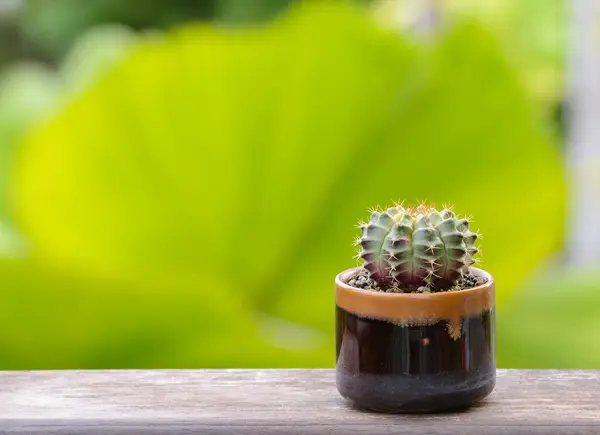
(417, 246)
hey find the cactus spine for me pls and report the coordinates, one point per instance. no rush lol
(417, 246)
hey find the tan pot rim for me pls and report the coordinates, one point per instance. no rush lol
(413, 309)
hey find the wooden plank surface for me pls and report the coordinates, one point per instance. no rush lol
(277, 402)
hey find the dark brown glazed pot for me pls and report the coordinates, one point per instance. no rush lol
(411, 352)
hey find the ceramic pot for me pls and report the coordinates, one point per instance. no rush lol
(413, 352)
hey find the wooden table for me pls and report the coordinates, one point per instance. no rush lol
(277, 402)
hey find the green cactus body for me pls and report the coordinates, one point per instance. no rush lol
(417, 247)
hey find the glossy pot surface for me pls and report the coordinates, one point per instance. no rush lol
(407, 352)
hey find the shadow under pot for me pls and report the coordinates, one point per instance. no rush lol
(415, 352)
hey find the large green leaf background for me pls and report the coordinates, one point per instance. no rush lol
(31, 92)
(193, 206)
(553, 322)
(534, 34)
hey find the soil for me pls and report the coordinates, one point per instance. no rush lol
(362, 280)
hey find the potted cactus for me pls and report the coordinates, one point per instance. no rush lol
(415, 322)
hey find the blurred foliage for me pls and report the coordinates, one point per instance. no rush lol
(45, 29)
(27, 93)
(533, 36)
(553, 323)
(31, 91)
(192, 207)
(533, 33)
(53, 25)
(58, 320)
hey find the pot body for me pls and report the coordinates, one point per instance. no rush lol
(418, 357)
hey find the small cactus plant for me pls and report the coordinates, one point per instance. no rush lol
(417, 247)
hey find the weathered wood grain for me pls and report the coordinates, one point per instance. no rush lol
(277, 402)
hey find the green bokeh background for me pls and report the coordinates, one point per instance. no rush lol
(179, 189)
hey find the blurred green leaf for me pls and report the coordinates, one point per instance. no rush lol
(553, 322)
(60, 320)
(95, 51)
(55, 24)
(235, 164)
(28, 92)
(470, 138)
(534, 35)
(236, 11)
